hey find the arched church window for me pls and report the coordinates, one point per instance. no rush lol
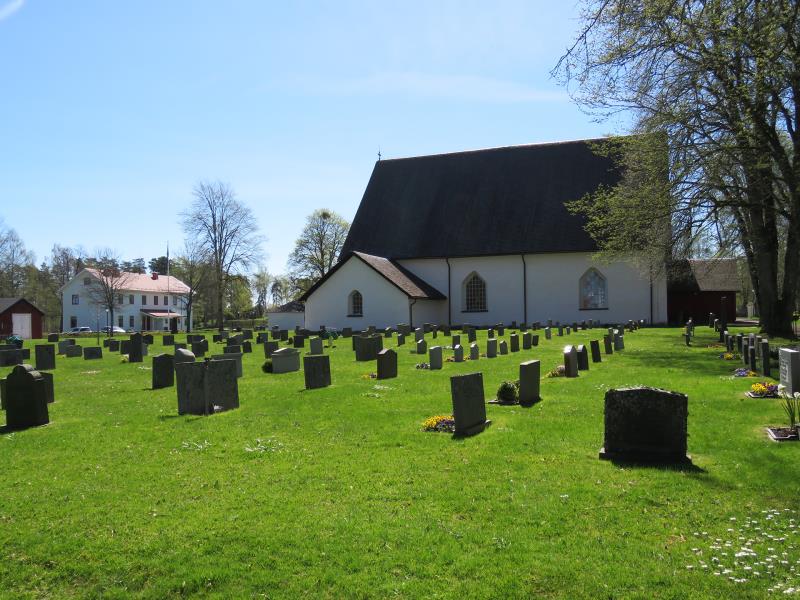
(593, 290)
(355, 304)
(474, 293)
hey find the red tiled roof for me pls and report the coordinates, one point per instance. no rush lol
(142, 282)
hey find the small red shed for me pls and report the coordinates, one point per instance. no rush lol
(697, 287)
(20, 317)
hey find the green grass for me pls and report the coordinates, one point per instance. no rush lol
(338, 493)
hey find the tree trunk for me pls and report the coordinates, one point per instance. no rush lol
(220, 311)
(189, 317)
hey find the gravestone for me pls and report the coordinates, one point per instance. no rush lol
(560, 330)
(455, 341)
(401, 339)
(765, 359)
(49, 391)
(45, 357)
(526, 340)
(503, 347)
(113, 345)
(422, 346)
(501, 331)
(207, 387)
(645, 424)
(125, 347)
(435, 358)
(74, 351)
(514, 341)
(474, 351)
(490, 333)
(387, 332)
(92, 353)
(570, 361)
(10, 357)
(789, 369)
(25, 398)
(269, 348)
(284, 333)
(458, 353)
(583, 358)
(299, 341)
(746, 351)
(52, 337)
(752, 351)
(419, 334)
(317, 371)
(529, 381)
(262, 337)
(285, 360)
(367, 347)
(469, 405)
(175, 346)
(387, 364)
(315, 345)
(232, 350)
(199, 349)
(163, 371)
(347, 332)
(595, 347)
(63, 345)
(619, 342)
(491, 348)
(739, 338)
(548, 333)
(136, 348)
(237, 358)
(535, 340)
(472, 336)
(247, 347)
(182, 355)
(247, 334)
(147, 338)
(168, 340)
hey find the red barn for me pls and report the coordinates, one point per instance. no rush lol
(696, 288)
(20, 317)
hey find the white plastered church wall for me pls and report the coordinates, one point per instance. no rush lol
(383, 303)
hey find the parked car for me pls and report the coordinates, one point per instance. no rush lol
(81, 330)
(114, 329)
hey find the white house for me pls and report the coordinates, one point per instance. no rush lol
(144, 302)
(481, 237)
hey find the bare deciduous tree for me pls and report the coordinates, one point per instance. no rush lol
(318, 247)
(227, 232)
(108, 283)
(191, 267)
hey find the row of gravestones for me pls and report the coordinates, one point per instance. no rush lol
(756, 356)
(576, 358)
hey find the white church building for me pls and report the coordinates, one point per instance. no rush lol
(481, 237)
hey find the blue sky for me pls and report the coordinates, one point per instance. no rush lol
(110, 112)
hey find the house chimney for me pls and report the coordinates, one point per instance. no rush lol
(155, 276)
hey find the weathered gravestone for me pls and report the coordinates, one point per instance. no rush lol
(113, 345)
(262, 337)
(64, 344)
(458, 353)
(609, 349)
(387, 364)
(207, 387)
(163, 371)
(269, 348)
(168, 340)
(285, 360)
(200, 348)
(299, 341)
(474, 351)
(619, 342)
(535, 340)
(136, 348)
(232, 350)
(529, 380)
(595, 347)
(237, 358)
(503, 347)
(455, 340)
(422, 346)
(25, 398)
(560, 330)
(74, 351)
(435, 357)
(570, 361)
(645, 424)
(419, 334)
(247, 347)
(45, 357)
(789, 369)
(315, 345)
(583, 358)
(527, 340)
(52, 337)
(367, 347)
(147, 338)
(548, 333)
(514, 341)
(471, 335)
(501, 330)
(182, 355)
(316, 370)
(10, 357)
(491, 348)
(92, 353)
(401, 339)
(469, 404)
(752, 362)
(765, 359)
(247, 334)
(746, 351)
(739, 338)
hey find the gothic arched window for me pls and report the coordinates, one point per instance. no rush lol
(474, 293)
(593, 290)
(355, 304)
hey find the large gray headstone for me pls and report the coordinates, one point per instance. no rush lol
(422, 346)
(315, 345)
(269, 348)
(237, 358)
(529, 382)
(285, 360)
(191, 389)
(458, 353)
(435, 357)
(583, 358)
(491, 348)
(570, 361)
(45, 357)
(317, 370)
(63, 345)
(527, 340)
(789, 369)
(221, 385)
(367, 347)
(168, 340)
(474, 351)
(74, 351)
(92, 353)
(387, 364)
(469, 404)
(645, 424)
(52, 337)
(514, 340)
(25, 398)
(163, 371)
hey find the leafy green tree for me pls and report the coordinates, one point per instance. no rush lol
(318, 247)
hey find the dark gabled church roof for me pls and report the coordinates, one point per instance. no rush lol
(703, 275)
(408, 283)
(482, 202)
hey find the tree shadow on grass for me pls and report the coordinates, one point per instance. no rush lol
(691, 363)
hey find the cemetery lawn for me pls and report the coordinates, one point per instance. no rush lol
(338, 493)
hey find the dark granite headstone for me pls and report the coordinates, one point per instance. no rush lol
(401, 339)
(10, 357)
(645, 424)
(367, 347)
(113, 345)
(63, 345)
(74, 351)
(232, 350)
(317, 370)
(52, 337)
(387, 364)
(247, 334)
(163, 371)
(765, 359)
(136, 348)
(458, 353)
(491, 348)
(222, 387)
(583, 358)
(269, 348)
(570, 361)
(474, 351)
(548, 333)
(315, 345)
(527, 340)
(45, 357)
(25, 398)
(469, 404)
(168, 340)
(503, 345)
(435, 358)
(529, 382)
(92, 353)
(237, 358)
(609, 348)
(595, 348)
(514, 341)
(199, 349)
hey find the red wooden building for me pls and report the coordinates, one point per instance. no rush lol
(20, 317)
(697, 287)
